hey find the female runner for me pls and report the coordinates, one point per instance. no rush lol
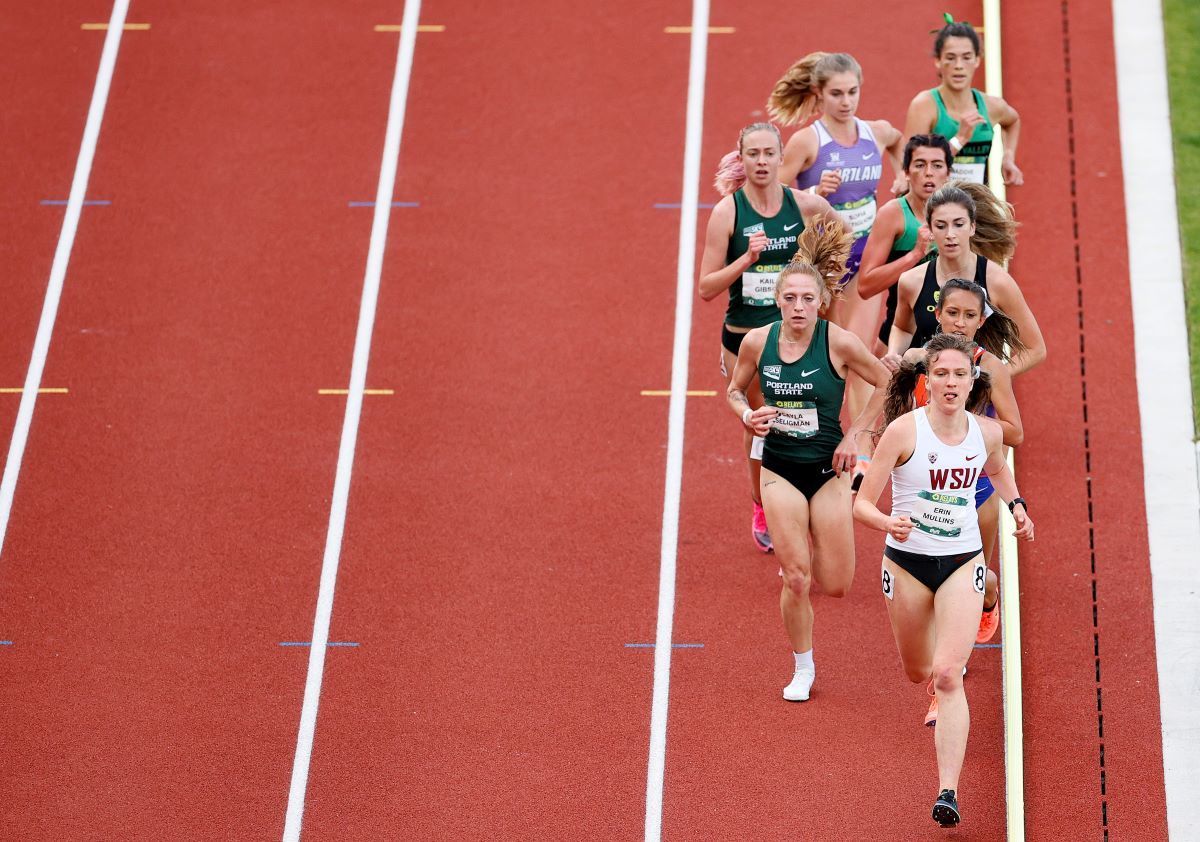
(839, 157)
(933, 569)
(751, 237)
(963, 114)
(963, 310)
(975, 234)
(900, 240)
(802, 362)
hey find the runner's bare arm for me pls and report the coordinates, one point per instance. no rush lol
(715, 276)
(874, 274)
(813, 206)
(1006, 294)
(758, 420)
(890, 141)
(904, 327)
(798, 154)
(848, 353)
(921, 114)
(895, 446)
(1010, 132)
(1004, 401)
(1002, 478)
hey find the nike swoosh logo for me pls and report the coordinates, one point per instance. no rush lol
(969, 458)
(868, 156)
(827, 470)
(807, 373)
(790, 227)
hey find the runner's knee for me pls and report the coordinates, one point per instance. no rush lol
(797, 579)
(948, 678)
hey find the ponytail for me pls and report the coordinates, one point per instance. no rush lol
(824, 247)
(794, 98)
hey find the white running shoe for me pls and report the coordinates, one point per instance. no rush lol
(802, 682)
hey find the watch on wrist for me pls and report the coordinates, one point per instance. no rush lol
(1016, 500)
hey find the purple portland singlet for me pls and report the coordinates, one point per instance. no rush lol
(861, 166)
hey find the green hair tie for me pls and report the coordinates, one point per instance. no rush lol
(949, 18)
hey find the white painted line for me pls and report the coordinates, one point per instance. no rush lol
(62, 256)
(358, 380)
(684, 290)
(1164, 395)
(1010, 586)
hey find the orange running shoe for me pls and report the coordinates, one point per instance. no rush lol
(931, 714)
(989, 621)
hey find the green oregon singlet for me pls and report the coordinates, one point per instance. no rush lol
(752, 296)
(808, 395)
(970, 163)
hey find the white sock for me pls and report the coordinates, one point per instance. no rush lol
(804, 661)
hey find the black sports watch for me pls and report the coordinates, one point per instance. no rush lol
(1016, 500)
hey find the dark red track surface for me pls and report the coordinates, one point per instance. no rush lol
(502, 542)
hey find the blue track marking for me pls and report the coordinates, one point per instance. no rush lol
(394, 204)
(6, 643)
(987, 645)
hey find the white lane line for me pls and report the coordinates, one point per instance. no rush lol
(1164, 394)
(679, 377)
(358, 380)
(62, 256)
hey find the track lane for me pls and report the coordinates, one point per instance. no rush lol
(855, 760)
(168, 529)
(46, 79)
(1074, 660)
(502, 537)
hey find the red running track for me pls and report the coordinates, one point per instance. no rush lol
(169, 522)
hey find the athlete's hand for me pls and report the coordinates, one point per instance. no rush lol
(758, 242)
(1024, 523)
(760, 420)
(831, 180)
(899, 526)
(924, 241)
(1012, 174)
(900, 185)
(846, 455)
(966, 126)
(892, 362)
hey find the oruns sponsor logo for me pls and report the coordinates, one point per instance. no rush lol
(772, 371)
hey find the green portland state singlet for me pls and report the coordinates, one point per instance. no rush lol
(970, 163)
(808, 395)
(752, 296)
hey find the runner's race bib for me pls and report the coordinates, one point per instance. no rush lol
(758, 288)
(941, 514)
(795, 419)
(859, 216)
(968, 170)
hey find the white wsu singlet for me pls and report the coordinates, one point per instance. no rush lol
(937, 487)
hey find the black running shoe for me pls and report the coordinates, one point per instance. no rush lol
(945, 809)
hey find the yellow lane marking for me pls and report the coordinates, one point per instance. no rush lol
(18, 390)
(347, 391)
(129, 27)
(666, 393)
(687, 30)
(421, 27)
